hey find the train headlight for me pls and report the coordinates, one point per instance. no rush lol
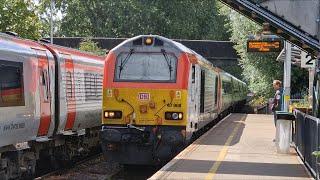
(113, 114)
(173, 115)
(106, 114)
(148, 41)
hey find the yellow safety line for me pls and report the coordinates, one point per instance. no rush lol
(223, 152)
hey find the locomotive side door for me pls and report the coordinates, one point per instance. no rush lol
(193, 81)
(44, 89)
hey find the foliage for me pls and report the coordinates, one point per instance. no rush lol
(20, 16)
(258, 101)
(186, 19)
(302, 103)
(90, 46)
(234, 70)
(259, 69)
(316, 153)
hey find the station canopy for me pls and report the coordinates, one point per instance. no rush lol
(295, 21)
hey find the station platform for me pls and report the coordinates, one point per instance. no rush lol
(239, 147)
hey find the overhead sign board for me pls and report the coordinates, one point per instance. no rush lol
(307, 61)
(264, 46)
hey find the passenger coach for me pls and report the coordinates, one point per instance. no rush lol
(157, 95)
(50, 105)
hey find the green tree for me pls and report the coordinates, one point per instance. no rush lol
(90, 46)
(259, 69)
(20, 16)
(182, 19)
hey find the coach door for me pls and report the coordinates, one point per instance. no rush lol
(44, 88)
(70, 92)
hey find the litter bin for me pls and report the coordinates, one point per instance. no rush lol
(283, 131)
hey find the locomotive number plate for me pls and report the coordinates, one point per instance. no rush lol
(143, 96)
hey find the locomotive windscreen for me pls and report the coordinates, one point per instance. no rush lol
(146, 67)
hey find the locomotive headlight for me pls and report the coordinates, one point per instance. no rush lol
(148, 41)
(175, 116)
(106, 114)
(111, 114)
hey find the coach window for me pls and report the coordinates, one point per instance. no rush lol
(45, 85)
(96, 85)
(69, 85)
(11, 84)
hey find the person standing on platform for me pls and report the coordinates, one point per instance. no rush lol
(277, 100)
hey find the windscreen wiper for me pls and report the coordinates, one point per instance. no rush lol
(125, 61)
(168, 61)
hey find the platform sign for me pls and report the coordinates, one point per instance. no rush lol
(264, 46)
(307, 61)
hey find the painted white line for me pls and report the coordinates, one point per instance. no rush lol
(163, 172)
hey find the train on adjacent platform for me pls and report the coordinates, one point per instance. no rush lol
(157, 96)
(50, 105)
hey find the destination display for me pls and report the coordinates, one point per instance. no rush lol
(263, 46)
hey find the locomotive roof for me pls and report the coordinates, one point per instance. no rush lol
(179, 46)
(40, 45)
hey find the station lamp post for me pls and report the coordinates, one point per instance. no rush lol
(51, 21)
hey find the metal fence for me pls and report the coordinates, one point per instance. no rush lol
(305, 136)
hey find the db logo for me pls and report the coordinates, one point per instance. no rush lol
(144, 96)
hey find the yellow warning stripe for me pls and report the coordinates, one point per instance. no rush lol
(223, 152)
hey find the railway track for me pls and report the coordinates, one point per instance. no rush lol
(93, 167)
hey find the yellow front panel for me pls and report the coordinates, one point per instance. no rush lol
(155, 101)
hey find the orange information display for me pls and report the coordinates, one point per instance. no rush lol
(264, 46)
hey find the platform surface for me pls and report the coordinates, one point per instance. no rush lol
(239, 147)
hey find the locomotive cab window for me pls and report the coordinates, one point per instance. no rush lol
(11, 84)
(193, 74)
(146, 67)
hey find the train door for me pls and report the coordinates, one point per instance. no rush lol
(193, 85)
(193, 110)
(202, 90)
(70, 92)
(44, 88)
(216, 89)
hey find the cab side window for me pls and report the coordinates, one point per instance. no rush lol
(11, 84)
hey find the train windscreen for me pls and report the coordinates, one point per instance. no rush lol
(146, 67)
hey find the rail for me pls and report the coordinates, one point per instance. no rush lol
(305, 136)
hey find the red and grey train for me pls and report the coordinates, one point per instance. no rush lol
(157, 95)
(50, 104)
